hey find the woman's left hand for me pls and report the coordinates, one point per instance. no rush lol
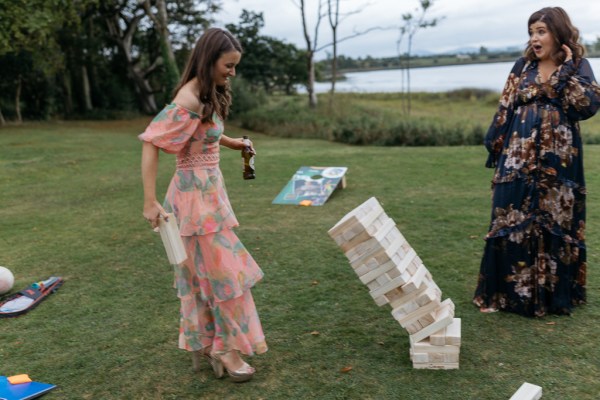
(251, 145)
(568, 52)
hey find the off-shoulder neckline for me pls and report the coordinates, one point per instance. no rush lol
(184, 108)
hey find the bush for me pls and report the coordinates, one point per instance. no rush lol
(245, 97)
(456, 118)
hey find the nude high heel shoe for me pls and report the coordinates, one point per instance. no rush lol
(214, 362)
(242, 374)
(196, 360)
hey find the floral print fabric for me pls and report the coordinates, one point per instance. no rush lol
(217, 307)
(214, 283)
(196, 194)
(534, 260)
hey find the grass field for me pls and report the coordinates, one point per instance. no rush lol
(71, 206)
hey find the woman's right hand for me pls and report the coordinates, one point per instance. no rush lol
(152, 211)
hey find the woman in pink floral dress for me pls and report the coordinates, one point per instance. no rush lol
(218, 316)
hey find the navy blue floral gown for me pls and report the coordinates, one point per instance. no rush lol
(534, 260)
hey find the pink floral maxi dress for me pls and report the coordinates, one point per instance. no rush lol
(214, 283)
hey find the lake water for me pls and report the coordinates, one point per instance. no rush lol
(432, 79)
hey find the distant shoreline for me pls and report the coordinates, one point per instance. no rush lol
(430, 62)
(441, 64)
(419, 63)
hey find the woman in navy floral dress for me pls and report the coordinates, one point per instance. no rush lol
(534, 260)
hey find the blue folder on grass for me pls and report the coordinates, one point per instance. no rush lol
(22, 391)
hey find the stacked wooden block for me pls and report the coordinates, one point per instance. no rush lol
(395, 275)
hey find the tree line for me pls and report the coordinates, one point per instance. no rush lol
(107, 58)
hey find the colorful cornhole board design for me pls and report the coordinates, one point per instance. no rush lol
(28, 298)
(312, 186)
(385, 262)
(22, 391)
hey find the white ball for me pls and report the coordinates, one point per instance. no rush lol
(7, 279)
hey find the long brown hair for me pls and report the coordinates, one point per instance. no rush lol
(213, 43)
(559, 24)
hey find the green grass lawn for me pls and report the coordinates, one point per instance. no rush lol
(71, 206)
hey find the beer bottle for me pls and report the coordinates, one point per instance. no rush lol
(248, 158)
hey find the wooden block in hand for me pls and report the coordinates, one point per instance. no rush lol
(169, 233)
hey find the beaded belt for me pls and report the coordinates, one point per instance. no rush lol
(198, 160)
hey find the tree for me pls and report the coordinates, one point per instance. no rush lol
(267, 63)
(28, 37)
(161, 25)
(140, 30)
(335, 18)
(410, 27)
(311, 48)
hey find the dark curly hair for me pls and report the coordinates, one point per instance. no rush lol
(559, 24)
(213, 43)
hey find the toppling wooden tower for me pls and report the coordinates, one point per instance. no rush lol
(395, 275)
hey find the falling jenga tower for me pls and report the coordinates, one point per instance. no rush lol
(395, 275)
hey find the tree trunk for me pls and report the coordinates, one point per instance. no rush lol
(408, 73)
(87, 95)
(18, 99)
(312, 96)
(334, 18)
(143, 89)
(66, 78)
(310, 52)
(161, 21)
(333, 68)
(142, 86)
(2, 120)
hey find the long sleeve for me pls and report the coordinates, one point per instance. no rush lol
(496, 134)
(580, 92)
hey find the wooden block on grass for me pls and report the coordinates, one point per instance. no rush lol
(386, 298)
(400, 282)
(364, 250)
(383, 268)
(415, 281)
(425, 346)
(444, 317)
(435, 365)
(361, 233)
(386, 241)
(417, 314)
(528, 391)
(443, 358)
(362, 215)
(450, 335)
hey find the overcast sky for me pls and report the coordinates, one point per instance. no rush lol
(465, 23)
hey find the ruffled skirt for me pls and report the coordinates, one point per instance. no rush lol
(213, 285)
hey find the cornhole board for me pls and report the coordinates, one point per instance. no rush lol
(22, 391)
(312, 186)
